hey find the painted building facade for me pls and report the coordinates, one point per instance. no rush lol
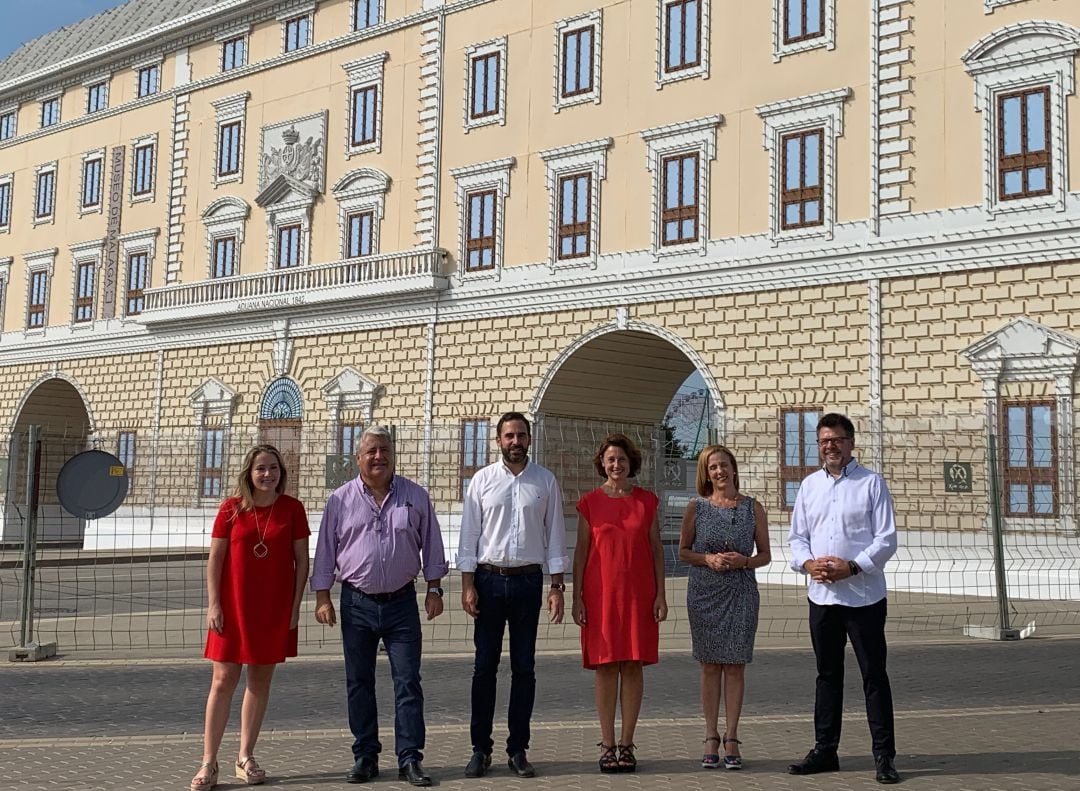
(291, 218)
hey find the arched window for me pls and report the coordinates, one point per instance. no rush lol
(282, 401)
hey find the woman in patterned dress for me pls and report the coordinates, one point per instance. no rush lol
(255, 577)
(721, 530)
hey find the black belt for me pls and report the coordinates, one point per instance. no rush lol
(404, 590)
(510, 571)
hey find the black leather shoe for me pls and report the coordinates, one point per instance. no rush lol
(363, 770)
(413, 772)
(478, 764)
(886, 772)
(815, 761)
(520, 765)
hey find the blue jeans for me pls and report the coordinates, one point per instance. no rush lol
(397, 622)
(513, 601)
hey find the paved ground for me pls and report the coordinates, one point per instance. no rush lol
(970, 715)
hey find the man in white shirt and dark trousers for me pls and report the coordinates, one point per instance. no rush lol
(843, 531)
(511, 525)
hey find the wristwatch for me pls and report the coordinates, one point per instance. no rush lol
(853, 567)
(558, 586)
(438, 591)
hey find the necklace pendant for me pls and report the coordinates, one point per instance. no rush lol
(260, 550)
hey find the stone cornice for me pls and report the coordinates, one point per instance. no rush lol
(910, 246)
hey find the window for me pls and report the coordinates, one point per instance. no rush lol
(359, 232)
(1023, 74)
(480, 242)
(577, 62)
(1030, 456)
(798, 453)
(91, 180)
(229, 149)
(142, 177)
(230, 112)
(5, 204)
(575, 209)
(1024, 144)
(97, 97)
(125, 450)
(149, 80)
(481, 193)
(679, 154)
(474, 450)
(39, 296)
(84, 292)
(50, 112)
(224, 256)
(366, 13)
(349, 438)
(46, 189)
(7, 125)
(803, 172)
(364, 115)
(801, 134)
(138, 274)
(288, 247)
(803, 19)
(682, 41)
(233, 53)
(485, 85)
(297, 33)
(679, 216)
(211, 470)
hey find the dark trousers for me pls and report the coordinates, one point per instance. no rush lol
(512, 601)
(364, 621)
(830, 627)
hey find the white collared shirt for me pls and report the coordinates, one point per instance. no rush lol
(849, 517)
(513, 520)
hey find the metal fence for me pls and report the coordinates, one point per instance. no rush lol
(135, 580)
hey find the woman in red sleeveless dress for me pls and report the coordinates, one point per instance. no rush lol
(619, 598)
(255, 580)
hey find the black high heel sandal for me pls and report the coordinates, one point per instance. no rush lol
(609, 762)
(731, 761)
(627, 759)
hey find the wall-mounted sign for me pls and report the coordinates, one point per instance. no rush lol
(957, 476)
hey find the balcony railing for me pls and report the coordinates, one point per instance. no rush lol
(299, 286)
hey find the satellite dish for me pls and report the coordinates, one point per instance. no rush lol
(92, 484)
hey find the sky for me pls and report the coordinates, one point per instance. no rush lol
(27, 19)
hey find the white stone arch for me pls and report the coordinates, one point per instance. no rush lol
(225, 217)
(91, 424)
(623, 324)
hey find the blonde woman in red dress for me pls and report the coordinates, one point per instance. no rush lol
(255, 580)
(619, 598)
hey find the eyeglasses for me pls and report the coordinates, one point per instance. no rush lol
(832, 441)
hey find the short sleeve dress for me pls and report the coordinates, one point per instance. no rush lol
(257, 593)
(722, 606)
(619, 586)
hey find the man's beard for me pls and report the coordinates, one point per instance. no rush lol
(514, 455)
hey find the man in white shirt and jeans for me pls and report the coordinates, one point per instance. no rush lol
(511, 525)
(843, 531)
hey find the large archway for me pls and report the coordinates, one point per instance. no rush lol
(620, 377)
(55, 404)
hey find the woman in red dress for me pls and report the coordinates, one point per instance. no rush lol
(255, 580)
(619, 598)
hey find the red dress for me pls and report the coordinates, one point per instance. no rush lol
(619, 587)
(257, 593)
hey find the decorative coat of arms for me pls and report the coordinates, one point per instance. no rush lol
(294, 149)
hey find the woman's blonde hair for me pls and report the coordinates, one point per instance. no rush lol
(244, 490)
(704, 485)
